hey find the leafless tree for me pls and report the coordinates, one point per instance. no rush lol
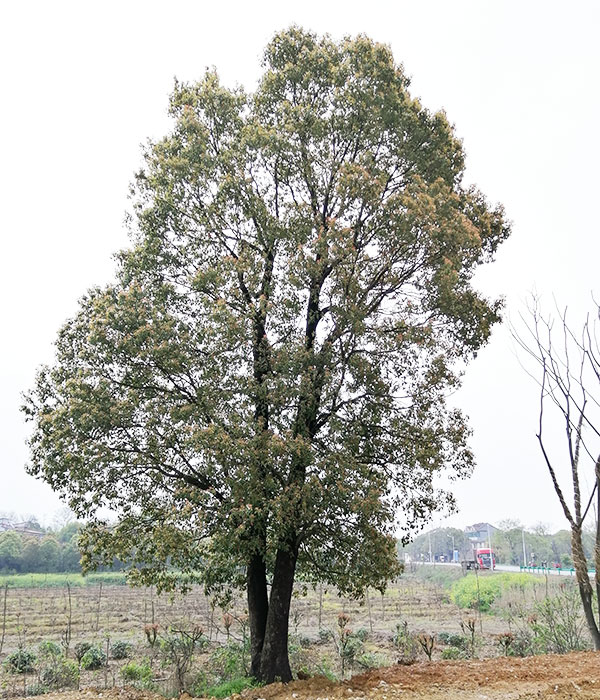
(566, 365)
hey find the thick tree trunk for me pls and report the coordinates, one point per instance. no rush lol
(585, 587)
(275, 664)
(258, 607)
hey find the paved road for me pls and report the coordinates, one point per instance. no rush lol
(517, 569)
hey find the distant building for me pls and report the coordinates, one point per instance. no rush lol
(479, 534)
(27, 529)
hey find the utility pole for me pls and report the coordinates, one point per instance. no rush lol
(430, 557)
(524, 552)
(490, 546)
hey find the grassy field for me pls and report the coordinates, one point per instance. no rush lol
(113, 578)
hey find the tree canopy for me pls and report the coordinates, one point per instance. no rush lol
(263, 388)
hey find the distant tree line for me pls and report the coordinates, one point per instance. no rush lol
(48, 552)
(507, 543)
(33, 549)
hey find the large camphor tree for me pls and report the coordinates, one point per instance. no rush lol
(263, 389)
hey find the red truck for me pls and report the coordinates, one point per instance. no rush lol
(483, 558)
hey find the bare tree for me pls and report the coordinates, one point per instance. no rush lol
(567, 369)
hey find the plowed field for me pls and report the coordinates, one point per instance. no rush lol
(575, 675)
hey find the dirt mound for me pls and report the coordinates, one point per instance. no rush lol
(567, 676)
(574, 675)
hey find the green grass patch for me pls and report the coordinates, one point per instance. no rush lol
(465, 593)
(443, 576)
(234, 686)
(107, 578)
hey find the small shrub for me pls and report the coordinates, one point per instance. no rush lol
(453, 640)
(362, 634)
(443, 637)
(505, 641)
(453, 653)
(81, 648)
(36, 689)
(20, 661)
(93, 658)
(325, 636)
(138, 675)
(468, 625)
(120, 650)
(178, 649)
(558, 624)
(521, 645)
(60, 673)
(372, 660)
(225, 690)
(231, 661)
(406, 643)
(324, 669)
(49, 649)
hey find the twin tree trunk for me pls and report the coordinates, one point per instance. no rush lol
(269, 616)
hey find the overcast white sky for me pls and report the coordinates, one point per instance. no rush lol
(83, 84)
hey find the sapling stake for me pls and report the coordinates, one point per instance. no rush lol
(369, 609)
(98, 608)
(66, 638)
(4, 617)
(320, 606)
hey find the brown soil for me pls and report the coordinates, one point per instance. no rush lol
(575, 675)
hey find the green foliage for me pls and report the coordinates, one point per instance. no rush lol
(11, 548)
(558, 624)
(81, 648)
(93, 658)
(454, 640)
(273, 360)
(324, 669)
(108, 578)
(226, 671)
(453, 653)
(37, 689)
(405, 642)
(120, 649)
(20, 661)
(325, 635)
(351, 648)
(443, 576)
(372, 659)
(23, 552)
(519, 643)
(138, 674)
(48, 649)
(54, 670)
(57, 672)
(230, 661)
(178, 649)
(218, 257)
(473, 591)
(228, 688)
